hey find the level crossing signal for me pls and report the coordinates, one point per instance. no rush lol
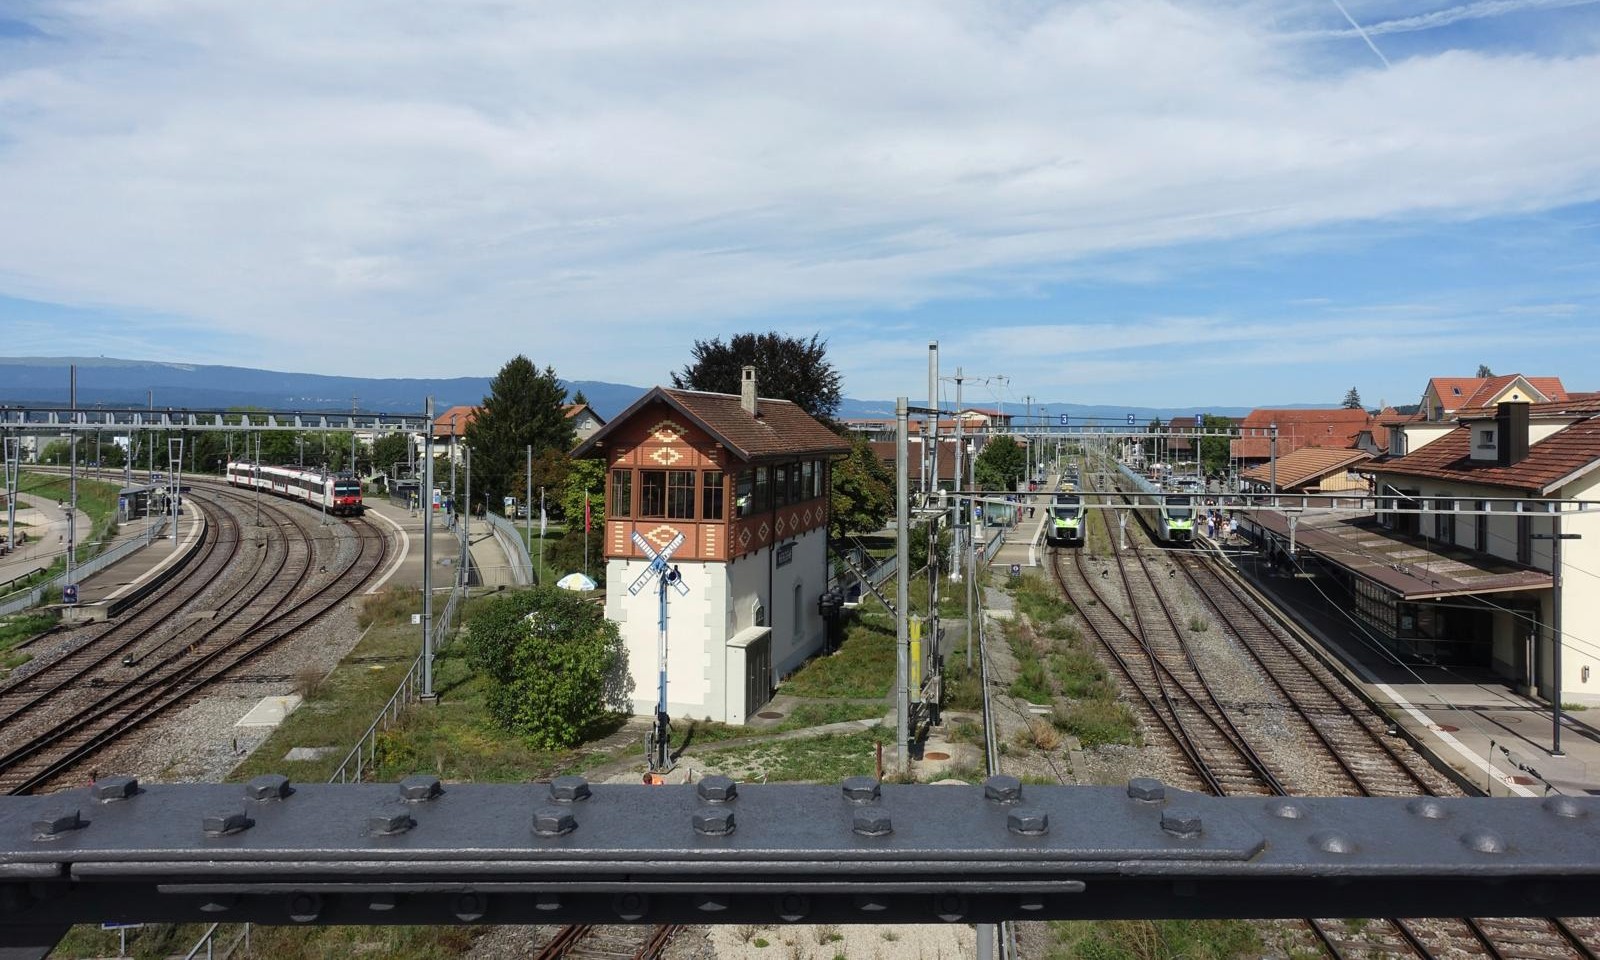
(657, 751)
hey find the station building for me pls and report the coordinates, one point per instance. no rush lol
(1473, 590)
(745, 481)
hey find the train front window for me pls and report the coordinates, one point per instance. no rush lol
(1180, 513)
(347, 489)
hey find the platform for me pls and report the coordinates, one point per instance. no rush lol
(1488, 733)
(406, 569)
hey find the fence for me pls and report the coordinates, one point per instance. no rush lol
(95, 564)
(364, 753)
(516, 549)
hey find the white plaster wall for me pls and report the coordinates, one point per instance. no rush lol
(809, 570)
(690, 666)
(1419, 435)
(1580, 595)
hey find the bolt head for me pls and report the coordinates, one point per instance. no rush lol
(114, 788)
(862, 789)
(420, 787)
(713, 822)
(1181, 823)
(56, 824)
(1002, 788)
(871, 823)
(1147, 788)
(268, 786)
(554, 823)
(1028, 823)
(225, 822)
(387, 823)
(717, 789)
(569, 789)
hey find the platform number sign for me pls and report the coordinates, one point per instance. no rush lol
(69, 593)
(1130, 419)
(1199, 420)
(1064, 419)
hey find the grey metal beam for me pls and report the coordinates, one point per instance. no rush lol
(720, 852)
(45, 420)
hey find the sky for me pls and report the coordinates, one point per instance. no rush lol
(1123, 201)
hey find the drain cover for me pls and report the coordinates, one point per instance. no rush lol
(770, 715)
(936, 755)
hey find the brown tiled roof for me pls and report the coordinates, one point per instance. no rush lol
(454, 421)
(1306, 464)
(885, 452)
(1549, 461)
(573, 409)
(1472, 393)
(1412, 568)
(782, 429)
(1297, 428)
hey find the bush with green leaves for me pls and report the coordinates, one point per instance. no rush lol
(554, 661)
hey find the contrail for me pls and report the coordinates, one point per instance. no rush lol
(1363, 33)
(1470, 11)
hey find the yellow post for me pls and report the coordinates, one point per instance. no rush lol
(916, 654)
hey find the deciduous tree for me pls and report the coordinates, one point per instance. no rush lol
(787, 368)
(862, 496)
(553, 661)
(1001, 465)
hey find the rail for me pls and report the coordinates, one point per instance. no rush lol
(516, 549)
(23, 600)
(365, 752)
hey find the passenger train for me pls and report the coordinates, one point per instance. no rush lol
(1066, 520)
(1169, 516)
(338, 495)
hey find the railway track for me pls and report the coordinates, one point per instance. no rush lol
(1352, 754)
(276, 598)
(590, 942)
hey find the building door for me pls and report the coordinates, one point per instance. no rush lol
(758, 673)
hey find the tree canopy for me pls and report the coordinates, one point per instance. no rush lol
(787, 368)
(1214, 450)
(1484, 371)
(553, 662)
(524, 407)
(862, 495)
(1352, 399)
(1001, 465)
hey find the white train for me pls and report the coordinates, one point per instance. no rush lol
(338, 495)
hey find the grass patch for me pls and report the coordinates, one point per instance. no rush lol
(95, 498)
(455, 739)
(825, 759)
(1153, 939)
(1097, 721)
(861, 669)
(14, 630)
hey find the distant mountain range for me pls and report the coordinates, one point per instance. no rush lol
(135, 383)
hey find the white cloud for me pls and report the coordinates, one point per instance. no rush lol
(571, 179)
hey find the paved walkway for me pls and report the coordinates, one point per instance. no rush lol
(46, 530)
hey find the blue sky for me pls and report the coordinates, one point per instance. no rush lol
(1124, 201)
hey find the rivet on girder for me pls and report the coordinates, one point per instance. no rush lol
(717, 789)
(951, 907)
(1028, 823)
(871, 823)
(1485, 841)
(554, 823)
(1564, 807)
(50, 827)
(305, 907)
(1429, 808)
(713, 822)
(792, 907)
(1181, 823)
(108, 789)
(225, 823)
(862, 789)
(1147, 788)
(1002, 788)
(420, 787)
(712, 903)
(387, 823)
(630, 906)
(1285, 808)
(470, 906)
(268, 786)
(1332, 841)
(569, 789)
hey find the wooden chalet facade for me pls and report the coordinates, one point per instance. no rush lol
(745, 482)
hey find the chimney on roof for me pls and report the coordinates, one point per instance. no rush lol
(1511, 432)
(747, 391)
